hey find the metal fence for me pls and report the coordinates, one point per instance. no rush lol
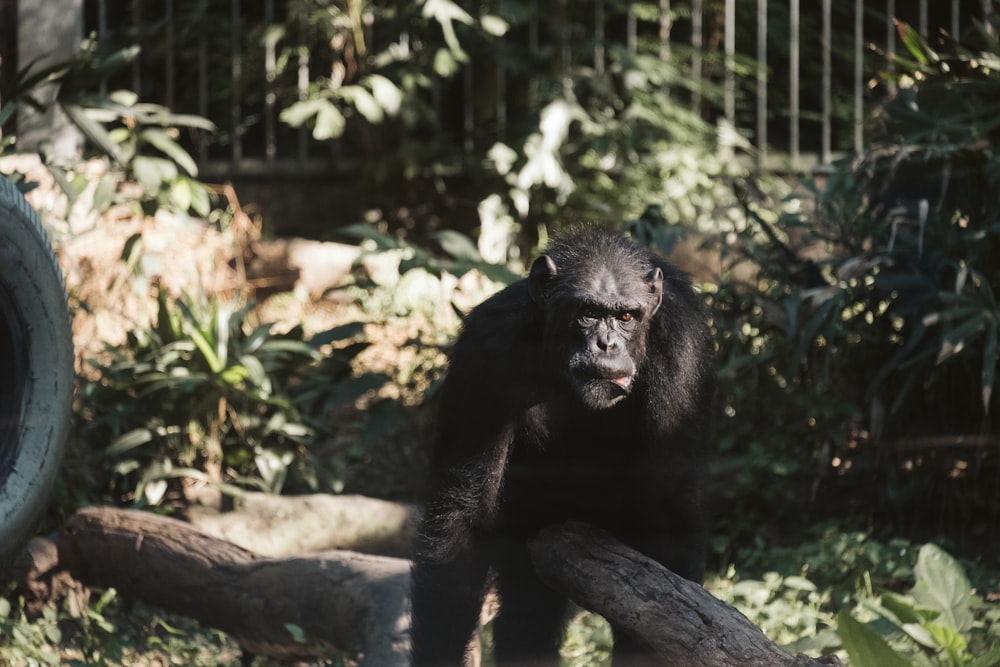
(795, 78)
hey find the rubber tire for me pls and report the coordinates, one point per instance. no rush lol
(36, 369)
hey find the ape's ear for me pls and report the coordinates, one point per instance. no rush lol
(543, 270)
(654, 279)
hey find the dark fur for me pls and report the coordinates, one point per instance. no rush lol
(532, 431)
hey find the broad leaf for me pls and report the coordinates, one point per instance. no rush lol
(864, 646)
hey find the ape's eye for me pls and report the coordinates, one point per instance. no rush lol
(590, 314)
(625, 317)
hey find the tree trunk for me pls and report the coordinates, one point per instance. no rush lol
(346, 600)
(675, 618)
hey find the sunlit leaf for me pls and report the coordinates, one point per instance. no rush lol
(446, 13)
(329, 123)
(388, 96)
(162, 141)
(942, 585)
(445, 63)
(128, 441)
(494, 25)
(864, 646)
(366, 104)
(94, 131)
(989, 363)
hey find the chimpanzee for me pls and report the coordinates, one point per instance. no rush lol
(580, 392)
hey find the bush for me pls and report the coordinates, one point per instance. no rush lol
(858, 330)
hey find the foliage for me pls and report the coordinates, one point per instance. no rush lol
(233, 403)
(140, 139)
(107, 632)
(939, 622)
(578, 130)
(861, 315)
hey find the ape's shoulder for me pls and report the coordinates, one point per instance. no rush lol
(504, 318)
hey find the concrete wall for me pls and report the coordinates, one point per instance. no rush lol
(49, 31)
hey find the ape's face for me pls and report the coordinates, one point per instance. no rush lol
(596, 325)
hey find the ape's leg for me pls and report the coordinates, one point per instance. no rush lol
(528, 629)
(447, 600)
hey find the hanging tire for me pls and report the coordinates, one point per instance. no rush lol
(36, 369)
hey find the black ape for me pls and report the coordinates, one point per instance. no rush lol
(581, 392)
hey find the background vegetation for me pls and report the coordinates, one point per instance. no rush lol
(854, 312)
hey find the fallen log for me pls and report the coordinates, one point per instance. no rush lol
(675, 618)
(345, 600)
(271, 525)
(357, 602)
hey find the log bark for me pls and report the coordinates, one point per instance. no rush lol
(345, 600)
(271, 525)
(678, 620)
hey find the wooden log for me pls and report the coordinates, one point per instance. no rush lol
(678, 620)
(271, 525)
(341, 599)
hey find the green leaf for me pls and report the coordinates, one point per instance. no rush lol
(915, 43)
(989, 659)
(446, 13)
(163, 142)
(949, 639)
(458, 245)
(152, 172)
(989, 363)
(864, 646)
(942, 585)
(445, 63)
(365, 103)
(494, 25)
(94, 131)
(388, 96)
(348, 331)
(300, 112)
(256, 373)
(128, 441)
(297, 633)
(329, 123)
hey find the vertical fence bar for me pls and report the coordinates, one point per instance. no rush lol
(825, 152)
(923, 18)
(102, 33)
(270, 97)
(171, 47)
(761, 81)
(599, 36)
(696, 47)
(202, 86)
(890, 28)
(666, 26)
(632, 31)
(302, 87)
(468, 107)
(729, 81)
(793, 83)
(955, 17)
(137, 21)
(859, 72)
(236, 71)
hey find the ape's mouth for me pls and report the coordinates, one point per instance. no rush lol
(624, 382)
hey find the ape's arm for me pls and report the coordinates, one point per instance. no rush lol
(451, 563)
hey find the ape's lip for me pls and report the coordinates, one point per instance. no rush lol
(624, 382)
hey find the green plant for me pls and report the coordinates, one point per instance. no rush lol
(202, 394)
(939, 622)
(141, 140)
(40, 640)
(865, 322)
